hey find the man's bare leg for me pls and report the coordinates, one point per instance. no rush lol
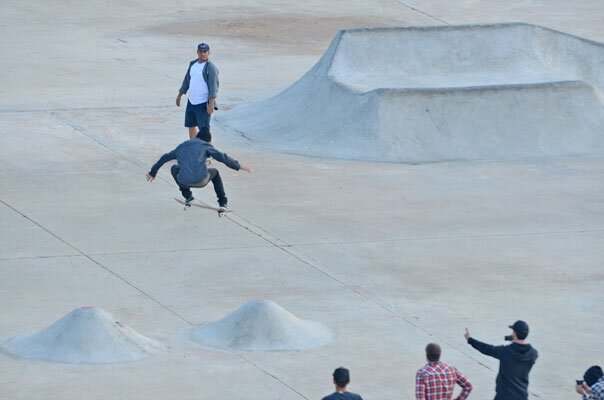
(192, 132)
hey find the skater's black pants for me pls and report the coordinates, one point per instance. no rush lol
(213, 175)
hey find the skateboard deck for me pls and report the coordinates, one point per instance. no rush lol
(196, 203)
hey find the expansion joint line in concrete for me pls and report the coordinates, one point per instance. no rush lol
(83, 131)
(421, 12)
(264, 235)
(371, 297)
(453, 237)
(330, 273)
(64, 109)
(273, 376)
(39, 257)
(147, 295)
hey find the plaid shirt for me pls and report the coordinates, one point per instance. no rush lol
(597, 391)
(437, 380)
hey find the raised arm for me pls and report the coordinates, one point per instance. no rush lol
(489, 350)
(486, 349)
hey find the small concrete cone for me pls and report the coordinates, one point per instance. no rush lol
(85, 335)
(263, 326)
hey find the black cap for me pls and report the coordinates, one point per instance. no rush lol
(521, 328)
(592, 375)
(203, 47)
(341, 376)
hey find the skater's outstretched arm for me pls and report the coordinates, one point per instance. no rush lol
(163, 159)
(226, 160)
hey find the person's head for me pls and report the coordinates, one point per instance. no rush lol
(341, 377)
(592, 375)
(203, 52)
(204, 134)
(520, 330)
(433, 352)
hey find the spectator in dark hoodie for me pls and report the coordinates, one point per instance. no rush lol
(515, 362)
(191, 170)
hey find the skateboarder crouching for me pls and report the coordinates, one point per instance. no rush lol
(191, 170)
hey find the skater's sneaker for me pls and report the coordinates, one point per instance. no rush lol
(189, 200)
(223, 208)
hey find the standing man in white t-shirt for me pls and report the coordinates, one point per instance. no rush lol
(201, 83)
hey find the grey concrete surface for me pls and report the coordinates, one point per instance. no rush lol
(390, 256)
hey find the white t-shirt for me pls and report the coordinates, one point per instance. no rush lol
(198, 88)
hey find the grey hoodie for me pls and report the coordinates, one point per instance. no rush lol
(515, 363)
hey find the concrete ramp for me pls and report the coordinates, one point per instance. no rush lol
(426, 94)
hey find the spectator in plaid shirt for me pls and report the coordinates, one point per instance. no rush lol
(592, 387)
(437, 380)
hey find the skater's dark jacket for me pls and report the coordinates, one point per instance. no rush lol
(192, 156)
(515, 363)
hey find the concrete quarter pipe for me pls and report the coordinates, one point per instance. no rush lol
(428, 94)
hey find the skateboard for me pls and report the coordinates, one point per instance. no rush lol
(196, 203)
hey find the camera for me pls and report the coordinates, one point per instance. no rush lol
(579, 382)
(509, 338)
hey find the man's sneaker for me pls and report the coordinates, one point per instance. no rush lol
(223, 208)
(189, 200)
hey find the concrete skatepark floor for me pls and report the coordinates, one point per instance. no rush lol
(390, 256)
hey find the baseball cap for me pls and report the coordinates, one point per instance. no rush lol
(592, 375)
(341, 375)
(203, 47)
(521, 328)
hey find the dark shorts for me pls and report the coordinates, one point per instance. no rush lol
(197, 115)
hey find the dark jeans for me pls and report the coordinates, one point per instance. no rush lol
(214, 177)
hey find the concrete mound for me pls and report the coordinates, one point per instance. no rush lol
(263, 326)
(85, 335)
(426, 94)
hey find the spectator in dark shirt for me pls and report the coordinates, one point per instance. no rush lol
(515, 362)
(341, 378)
